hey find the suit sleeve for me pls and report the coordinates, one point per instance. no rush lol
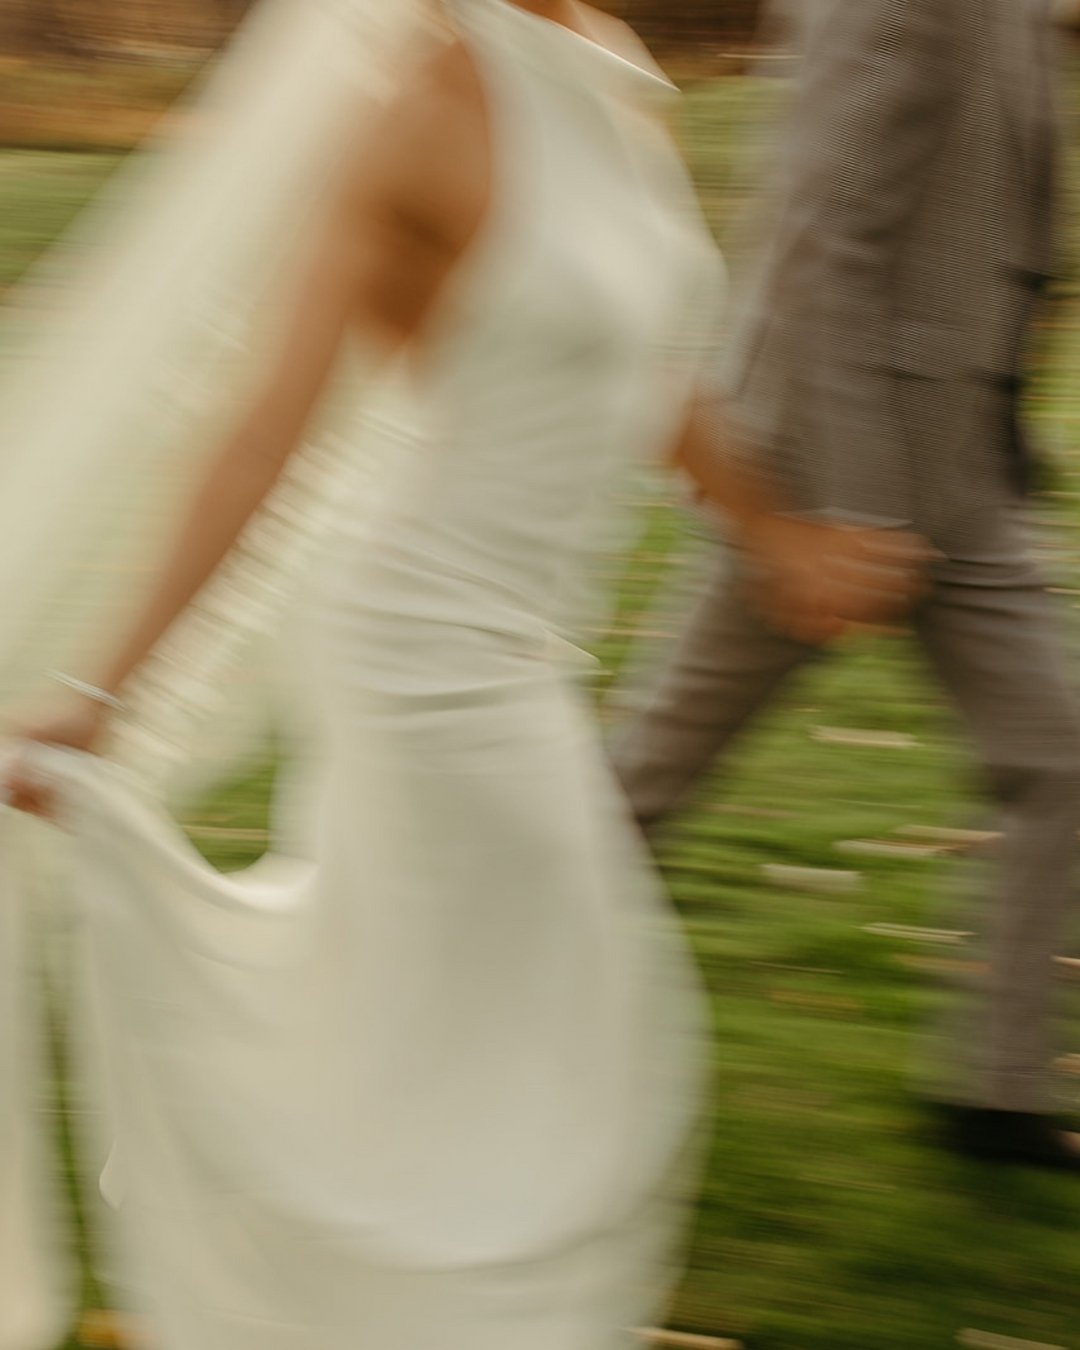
(812, 391)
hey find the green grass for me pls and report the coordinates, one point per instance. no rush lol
(41, 192)
(827, 1222)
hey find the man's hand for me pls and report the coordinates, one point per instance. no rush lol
(814, 581)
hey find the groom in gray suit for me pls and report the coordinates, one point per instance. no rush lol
(877, 384)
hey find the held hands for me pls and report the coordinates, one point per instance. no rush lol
(815, 581)
(81, 725)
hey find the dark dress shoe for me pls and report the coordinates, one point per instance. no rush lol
(1021, 1137)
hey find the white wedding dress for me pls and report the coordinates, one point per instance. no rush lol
(425, 1086)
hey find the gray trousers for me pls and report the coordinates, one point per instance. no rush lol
(989, 631)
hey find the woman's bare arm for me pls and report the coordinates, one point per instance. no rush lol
(412, 200)
(408, 206)
(407, 210)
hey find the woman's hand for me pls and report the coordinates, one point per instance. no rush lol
(82, 725)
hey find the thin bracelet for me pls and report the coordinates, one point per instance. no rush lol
(90, 691)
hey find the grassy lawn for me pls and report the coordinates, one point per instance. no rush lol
(827, 1223)
(41, 191)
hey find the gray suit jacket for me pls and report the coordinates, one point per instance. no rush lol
(912, 223)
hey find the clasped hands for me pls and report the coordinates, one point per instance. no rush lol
(815, 581)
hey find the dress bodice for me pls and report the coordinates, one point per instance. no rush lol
(562, 351)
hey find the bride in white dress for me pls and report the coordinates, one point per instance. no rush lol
(424, 1088)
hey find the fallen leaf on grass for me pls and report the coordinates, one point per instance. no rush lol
(683, 1340)
(908, 934)
(986, 1340)
(224, 832)
(811, 878)
(875, 740)
(889, 848)
(950, 840)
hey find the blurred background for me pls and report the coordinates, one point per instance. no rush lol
(95, 72)
(810, 878)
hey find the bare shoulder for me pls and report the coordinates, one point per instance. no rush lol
(426, 162)
(619, 37)
(416, 191)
